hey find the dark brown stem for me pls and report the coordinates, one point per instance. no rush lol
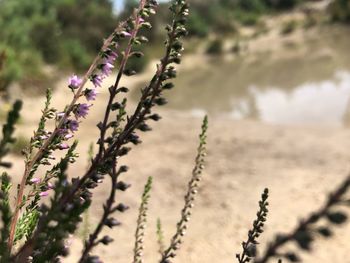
(91, 243)
(113, 90)
(334, 198)
(251, 237)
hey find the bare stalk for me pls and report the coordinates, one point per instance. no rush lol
(304, 226)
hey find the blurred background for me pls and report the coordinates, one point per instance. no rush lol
(258, 45)
(274, 77)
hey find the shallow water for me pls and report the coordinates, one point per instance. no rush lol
(310, 87)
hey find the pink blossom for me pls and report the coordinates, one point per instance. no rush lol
(97, 81)
(126, 34)
(91, 94)
(35, 180)
(112, 56)
(73, 125)
(107, 68)
(63, 146)
(68, 136)
(45, 193)
(74, 81)
(62, 131)
(82, 110)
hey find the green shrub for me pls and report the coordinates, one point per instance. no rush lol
(138, 63)
(75, 55)
(340, 10)
(37, 32)
(20, 144)
(252, 6)
(281, 4)
(215, 47)
(289, 27)
(197, 25)
(247, 18)
(310, 21)
(20, 65)
(221, 20)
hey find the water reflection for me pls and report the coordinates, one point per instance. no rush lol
(312, 86)
(325, 102)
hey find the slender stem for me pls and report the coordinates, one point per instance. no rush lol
(29, 165)
(333, 199)
(90, 244)
(119, 76)
(107, 210)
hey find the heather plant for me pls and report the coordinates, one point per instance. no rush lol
(35, 228)
(42, 228)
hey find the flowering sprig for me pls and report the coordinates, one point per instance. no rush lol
(141, 222)
(160, 237)
(249, 246)
(40, 135)
(41, 188)
(8, 130)
(6, 215)
(59, 222)
(304, 233)
(48, 142)
(93, 176)
(106, 219)
(113, 144)
(192, 190)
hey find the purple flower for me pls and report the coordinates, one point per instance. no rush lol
(74, 82)
(97, 81)
(35, 180)
(62, 131)
(82, 110)
(68, 136)
(126, 34)
(73, 125)
(50, 185)
(43, 137)
(90, 94)
(112, 56)
(107, 68)
(45, 193)
(63, 146)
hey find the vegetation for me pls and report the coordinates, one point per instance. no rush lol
(215, 47)
(340, 10)
(289, 27)
(41, 33)
(39, 227)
